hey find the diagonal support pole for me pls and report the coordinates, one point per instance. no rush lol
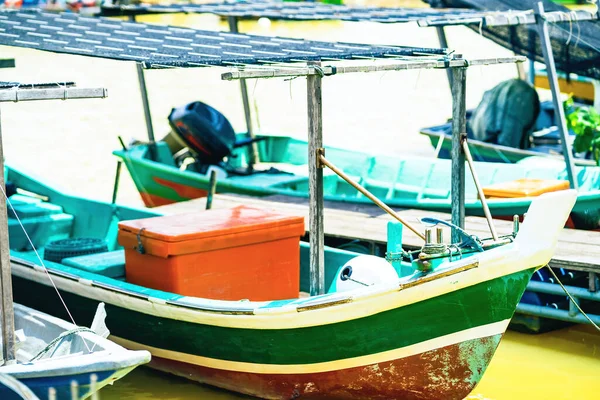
(546, 45)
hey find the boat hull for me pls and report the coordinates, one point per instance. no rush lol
(62, 384)
(436, 348)
(426, 375)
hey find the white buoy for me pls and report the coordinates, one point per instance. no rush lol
(364, 271)
(264, 22)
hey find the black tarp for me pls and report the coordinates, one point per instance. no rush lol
(576, 46)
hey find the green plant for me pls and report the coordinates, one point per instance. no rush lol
(584, 121)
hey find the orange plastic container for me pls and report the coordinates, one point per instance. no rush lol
(227, 254)
(525, 187)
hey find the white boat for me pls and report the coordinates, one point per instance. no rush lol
(53, 353)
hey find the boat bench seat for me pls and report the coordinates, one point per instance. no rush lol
(42, 221)
(110, 264)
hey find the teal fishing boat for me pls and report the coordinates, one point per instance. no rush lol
(163, 175)
(453, 307)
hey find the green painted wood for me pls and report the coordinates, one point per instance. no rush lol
(474, 306)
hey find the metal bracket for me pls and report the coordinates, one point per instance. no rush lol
(320, 153)
(463, 139)
(140, 247)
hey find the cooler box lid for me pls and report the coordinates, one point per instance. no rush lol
(526, 187)
(208, 230)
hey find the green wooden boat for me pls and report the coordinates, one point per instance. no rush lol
(422, 335)
(401, 181)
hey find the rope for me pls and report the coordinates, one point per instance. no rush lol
(59, 339)
(572, 298)
(41, 261)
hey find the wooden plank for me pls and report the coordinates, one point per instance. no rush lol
(576, 250)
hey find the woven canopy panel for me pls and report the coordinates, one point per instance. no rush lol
(576, 46)
(157, 46)
(314, 11)
(307, 11)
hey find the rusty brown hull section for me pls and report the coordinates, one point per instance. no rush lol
(448, 373)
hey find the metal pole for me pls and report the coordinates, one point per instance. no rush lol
(459, 128)
(315, 176)
(233, 27)
(531, 58)
(444, 44)
(146, 105)
(8, 322)
(553, 80)
(486, 209)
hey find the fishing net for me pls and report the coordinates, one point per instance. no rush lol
(576, 45)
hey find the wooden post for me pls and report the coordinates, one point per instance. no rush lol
(315, 176)
(444, 44)
(394, 247)
(253, 159)
(212, 188)
(116, 184)
(553, 80)
(146, 105)
(459, 127)
(7, 311)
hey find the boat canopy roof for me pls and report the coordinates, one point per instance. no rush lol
(576, 45)
(158, 46)
(311, 11)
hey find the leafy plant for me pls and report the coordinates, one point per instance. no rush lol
(584, 121)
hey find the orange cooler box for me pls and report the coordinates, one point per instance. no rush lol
(228, 254)
(525, 187)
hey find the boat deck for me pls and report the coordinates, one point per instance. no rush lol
(577, 249)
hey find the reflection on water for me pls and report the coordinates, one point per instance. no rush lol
(146, 384)
(562, 365)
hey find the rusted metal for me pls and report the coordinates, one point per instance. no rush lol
(439, 275)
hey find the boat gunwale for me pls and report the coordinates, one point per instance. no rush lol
(364, 301)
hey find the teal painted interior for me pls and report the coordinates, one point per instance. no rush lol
(401, 181)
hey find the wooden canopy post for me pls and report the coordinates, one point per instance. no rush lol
(7, 311)
(546, 45)
(146, 105)
(315, 181)
(233, 27)
(459, 128)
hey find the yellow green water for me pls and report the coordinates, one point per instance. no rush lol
(69, 144)
(562, 365)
